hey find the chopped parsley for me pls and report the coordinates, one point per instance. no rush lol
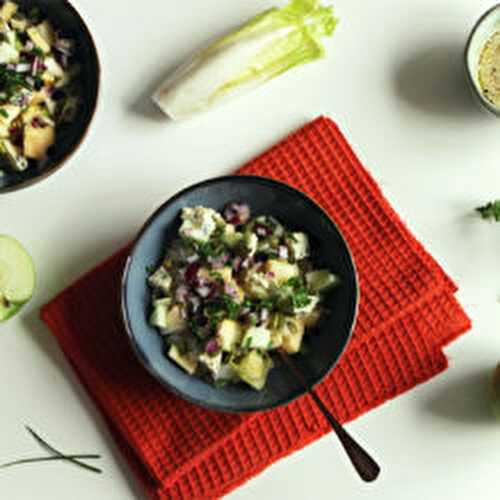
(224, 307)
(300, 295)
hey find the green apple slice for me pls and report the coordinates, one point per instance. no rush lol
(17, 277)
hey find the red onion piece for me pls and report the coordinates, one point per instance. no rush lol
(212, 347)
(34, 66)
(191, 273)
(231, 291)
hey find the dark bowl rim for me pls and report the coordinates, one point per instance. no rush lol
(71, 153)
(124, 309)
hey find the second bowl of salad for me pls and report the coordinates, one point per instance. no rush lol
(226, 274)
(49, 83)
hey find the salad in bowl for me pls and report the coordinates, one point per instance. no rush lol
(39, 89)
(233, 289)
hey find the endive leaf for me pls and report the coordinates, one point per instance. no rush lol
(263, 48)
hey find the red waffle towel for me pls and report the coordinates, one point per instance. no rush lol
(407, 314)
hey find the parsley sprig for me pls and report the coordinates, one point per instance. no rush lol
(490, 211)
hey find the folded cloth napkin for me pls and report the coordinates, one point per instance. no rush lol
(408, 313)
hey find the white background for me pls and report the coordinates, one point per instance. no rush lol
(394, 82)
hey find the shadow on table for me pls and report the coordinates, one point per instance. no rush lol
(143, 105)
(464, 400)
(44, 340)
(433, 80)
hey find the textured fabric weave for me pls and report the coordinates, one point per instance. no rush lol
(408, 313)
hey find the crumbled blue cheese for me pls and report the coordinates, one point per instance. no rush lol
(199, 223)
(161, 279)
(212, 363)
(8, 53)
(53, 67)
(257, 337)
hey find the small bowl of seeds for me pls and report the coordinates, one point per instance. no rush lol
(482, 60)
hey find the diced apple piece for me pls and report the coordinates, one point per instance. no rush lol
(42, 36)
(253, 369)
(34, 111)
(8, 53)
(298, 245)
(229, 334)
(258, 285)
(256, 338)
(187, 363)
(226, 273)
(37, 140)
(8, 10)
(276, 339)
(19, 23)
(174, 321)
(293, 333)
(8, 113)
(281, 271)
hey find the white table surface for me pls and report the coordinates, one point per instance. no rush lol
(393, 81)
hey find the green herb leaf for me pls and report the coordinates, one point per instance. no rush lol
(4, 113)
(300, 296)
(491, 211)
(38, 52)
(232, 307)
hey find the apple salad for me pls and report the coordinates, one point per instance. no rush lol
(231, 290)
(38, 91)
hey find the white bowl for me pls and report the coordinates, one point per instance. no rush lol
(488, 24)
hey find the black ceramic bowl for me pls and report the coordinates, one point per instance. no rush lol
(296, 211)
(65, 18)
